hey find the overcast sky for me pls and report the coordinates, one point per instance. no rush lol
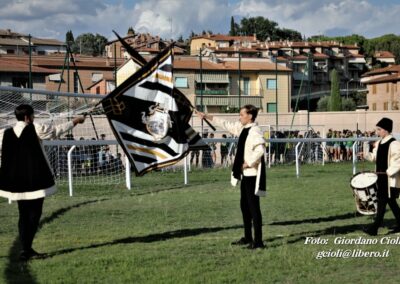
(172, 18)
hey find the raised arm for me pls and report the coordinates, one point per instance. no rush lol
(49, 131)
(232, 127)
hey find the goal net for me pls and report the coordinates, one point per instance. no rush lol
(88, 153)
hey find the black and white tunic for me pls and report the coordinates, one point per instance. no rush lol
(25, 173)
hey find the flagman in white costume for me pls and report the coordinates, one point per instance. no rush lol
(249, 167)
(25, 174)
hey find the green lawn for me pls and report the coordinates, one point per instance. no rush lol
(164, 232)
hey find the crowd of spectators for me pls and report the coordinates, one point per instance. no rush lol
(86, 159)
(337, 151)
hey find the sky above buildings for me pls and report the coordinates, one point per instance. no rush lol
(172, 18)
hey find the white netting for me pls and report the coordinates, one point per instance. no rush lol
(96, 157)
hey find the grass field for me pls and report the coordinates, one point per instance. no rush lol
(164, 232)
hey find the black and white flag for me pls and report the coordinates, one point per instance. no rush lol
(145, 116)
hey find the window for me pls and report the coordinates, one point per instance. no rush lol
(271, 107)
(246, 86)
(10, 51)
(374, 106)
(374, 89)
(181, 82)
(387, 87)
(98, 90)
(271, 84)
(385, 105)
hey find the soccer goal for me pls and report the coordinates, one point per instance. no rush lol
(89, 153)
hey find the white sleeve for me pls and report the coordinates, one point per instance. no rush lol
(48, 131)
(258, 144)
(1, 137)
(394, 167)
(369, 156)
(232, 127)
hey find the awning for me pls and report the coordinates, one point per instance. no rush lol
(231, 101)
(55, 77)
(97, 77)
(213, 77)
(357, 60)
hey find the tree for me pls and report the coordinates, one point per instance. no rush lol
(234, 27)
(89, 44)
(335, 102)
(264, 29)
(322, 104)
(348, 104)
(69, 37)
(180, 39)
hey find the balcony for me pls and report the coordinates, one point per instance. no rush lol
(220, 92)
(228, 101)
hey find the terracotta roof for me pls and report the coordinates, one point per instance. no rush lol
(389, 70)
(193, 63)
(219, 37)
(354, 55)
(320, 55)
(10, 33)
(57, 61)
(233, 49)
(13, 41)
(12, 66)
(43, 41)
(299, 57)
(383, 54)
(388, 78)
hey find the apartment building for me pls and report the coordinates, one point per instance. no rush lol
(220, 85)
(383, 88)
(144, 43)
(18, 44)
(323, 58)
(53, 72)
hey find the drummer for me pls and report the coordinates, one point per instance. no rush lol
(386, 154)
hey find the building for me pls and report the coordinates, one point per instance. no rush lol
(383, 88)
(222, 85)
(51, 73)
(222, 44)
(214, 84)
(385, 58)
(145, 44)
(323, 57)
(18, 44)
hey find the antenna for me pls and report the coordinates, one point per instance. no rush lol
(170, 22)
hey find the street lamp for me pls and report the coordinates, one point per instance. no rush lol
(347, 89)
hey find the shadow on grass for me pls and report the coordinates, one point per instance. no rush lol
(317, 220)
(329, 231)
(149, 238)
(17, 271)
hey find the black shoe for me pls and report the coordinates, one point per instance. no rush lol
(241, 242)
(35, 254)
(370, 231)
(256, 246)
(30, 254)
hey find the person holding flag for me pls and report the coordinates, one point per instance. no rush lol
(249, 168)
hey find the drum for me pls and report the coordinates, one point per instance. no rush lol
(364, 189)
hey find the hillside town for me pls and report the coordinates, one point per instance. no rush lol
(218, 72)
